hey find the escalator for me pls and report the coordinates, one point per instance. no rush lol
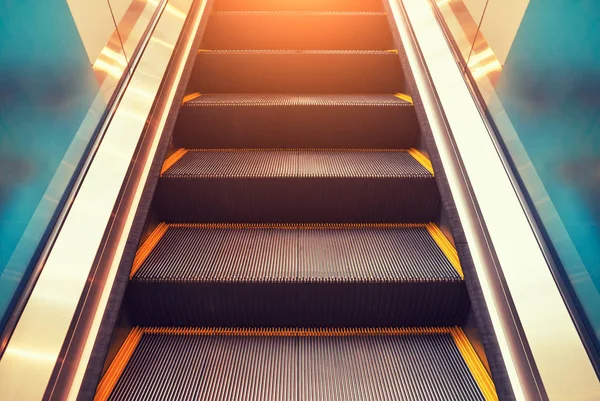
(299, 254)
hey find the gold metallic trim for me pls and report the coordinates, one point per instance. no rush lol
(191, 96)
(445, 246)
(404, 97)
(146, 249)
(171, 160)
(116, 368)
(478, 371)
(421, 158)
(394, 51)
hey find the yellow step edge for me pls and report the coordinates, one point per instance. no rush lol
(191, 96)
(147, 247)
(421, 158)
(171, 160)
(116, 368)
(446, 247)
(480, 374)
(404, 97)
(294, 332)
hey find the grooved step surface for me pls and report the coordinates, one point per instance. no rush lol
(297, 163)
(299, 71)
(257, 253)
(297, 30)
(385, 367)
(297, 277)
(298, 5)
(298, 186)
(296, 120)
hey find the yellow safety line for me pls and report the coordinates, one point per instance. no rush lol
(290, 332)
(145, 250)
(404, 97)
(480, 374)
(421, 158)
(171, 160)
(116, 368)
(445, 246)
(191, 96)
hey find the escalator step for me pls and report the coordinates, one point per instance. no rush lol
(335, 365)
(297, 71)
(295, 120)
(295, 30)
(297, 276)
(298, 5)
(297, 186)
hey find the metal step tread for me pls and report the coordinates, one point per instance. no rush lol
(296, 12)
(286, 52)
(297, 253)
(294, 100)
(305, 5)
(297, 71)
(297, 30)
(290, 120)
(304, 163)
(277, 364)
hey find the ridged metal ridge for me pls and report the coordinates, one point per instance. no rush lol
(390, 53)
(305, 5)
(297, 163)
(307, 13)
(295, 100)
(319, 367)
(364, 253)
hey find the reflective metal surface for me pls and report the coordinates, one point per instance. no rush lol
(550, 335)
(123, 234)
(32, 352)
(45, 72)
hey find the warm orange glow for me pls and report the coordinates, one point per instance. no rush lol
(113, 55)
(479, 57)
(162, 42)
(110, 69)
(483, 63)
(485, 69)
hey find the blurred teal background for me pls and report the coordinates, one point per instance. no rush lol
(550, 90)
(46, 88)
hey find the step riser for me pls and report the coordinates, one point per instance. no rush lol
(298, 5)
(227, 127)
(297, 304)
(217, 72)
(298, 200)
(297, 31)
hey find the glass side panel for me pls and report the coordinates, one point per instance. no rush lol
(61, 62)
(462, 19)
(536, 66)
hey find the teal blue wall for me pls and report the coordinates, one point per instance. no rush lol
(46, 88)
(550, 88)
